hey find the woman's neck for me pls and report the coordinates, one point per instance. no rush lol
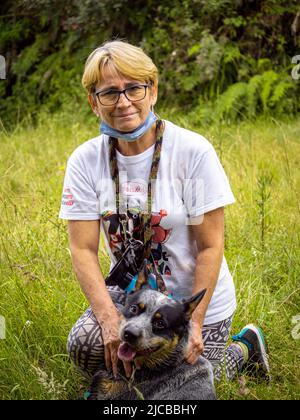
(140, 145)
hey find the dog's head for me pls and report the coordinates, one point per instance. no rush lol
(153, 326)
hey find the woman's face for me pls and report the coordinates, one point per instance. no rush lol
(125, 115)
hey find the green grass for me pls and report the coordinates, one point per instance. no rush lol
(41, 299)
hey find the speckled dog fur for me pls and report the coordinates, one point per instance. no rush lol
(154, 333)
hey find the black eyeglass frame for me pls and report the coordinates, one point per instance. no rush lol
(119, 92)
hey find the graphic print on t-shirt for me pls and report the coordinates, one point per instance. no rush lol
(116, 227)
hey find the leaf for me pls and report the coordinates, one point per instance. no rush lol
(193, 50)
(269, 78)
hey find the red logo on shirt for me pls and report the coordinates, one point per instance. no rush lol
(129, 188)
(67, 197)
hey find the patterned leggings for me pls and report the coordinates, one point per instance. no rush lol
(85, 345)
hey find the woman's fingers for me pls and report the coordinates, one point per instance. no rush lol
(114, 359)
(111, 360)
(128, 369)
(107, 357)
(195, 345)
(194, 350)
(110, 334)
(193, 356)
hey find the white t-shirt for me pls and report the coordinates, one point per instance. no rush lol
(190, 182)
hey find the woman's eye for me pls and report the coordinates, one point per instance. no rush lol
(109, 94)
(134, 89)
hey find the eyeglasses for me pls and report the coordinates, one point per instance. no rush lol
(133, 94)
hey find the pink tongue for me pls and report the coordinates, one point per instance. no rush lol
(125, 352)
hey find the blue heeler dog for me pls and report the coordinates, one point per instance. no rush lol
(154, 333)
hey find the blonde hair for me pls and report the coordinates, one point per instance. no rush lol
(121, 57)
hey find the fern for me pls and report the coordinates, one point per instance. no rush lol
(280, 91)
(263, 64)
(269, 79)
(31, 55)
(232, 54)
(253, 89)
(264, 92)
(232, 101)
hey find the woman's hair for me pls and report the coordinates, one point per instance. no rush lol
(120, 57)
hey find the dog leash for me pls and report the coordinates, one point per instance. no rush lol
(146, 233)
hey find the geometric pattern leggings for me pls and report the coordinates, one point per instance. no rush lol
(86, 351)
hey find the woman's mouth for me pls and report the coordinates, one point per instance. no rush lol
(123, 116)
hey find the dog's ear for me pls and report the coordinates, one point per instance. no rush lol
(191, 304)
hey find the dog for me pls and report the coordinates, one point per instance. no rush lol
(154, 335)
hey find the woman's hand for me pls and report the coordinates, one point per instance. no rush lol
(195, 346)
(111, 341)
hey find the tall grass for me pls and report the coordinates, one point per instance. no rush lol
(40, 298)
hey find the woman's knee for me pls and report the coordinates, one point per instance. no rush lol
(85, 345)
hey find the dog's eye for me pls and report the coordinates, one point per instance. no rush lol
(134, 309)
(159, 324)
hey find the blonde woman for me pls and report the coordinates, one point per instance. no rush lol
(149, 181)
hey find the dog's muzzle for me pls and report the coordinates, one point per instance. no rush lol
(131, 335)
(129, 348)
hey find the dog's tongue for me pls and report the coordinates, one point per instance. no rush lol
(125, 352)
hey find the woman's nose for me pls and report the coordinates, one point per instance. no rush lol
(123, 100)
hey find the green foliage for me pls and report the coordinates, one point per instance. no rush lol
(231, 103)
(253, 91)
(41, 300)
(263, 93)
(201, 49)
(30, 56)
(209, 58)
(11, 33)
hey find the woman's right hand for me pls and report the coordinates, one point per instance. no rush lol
(84, 237)
(111, 341)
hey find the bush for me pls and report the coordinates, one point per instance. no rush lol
(203, 50)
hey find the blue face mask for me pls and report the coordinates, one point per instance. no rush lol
(133, 135)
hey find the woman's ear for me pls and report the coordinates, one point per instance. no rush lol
(153, 95)
(93, 104)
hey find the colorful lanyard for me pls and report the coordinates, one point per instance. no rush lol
(146, 230)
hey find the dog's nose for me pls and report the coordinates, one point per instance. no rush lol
(131, 335)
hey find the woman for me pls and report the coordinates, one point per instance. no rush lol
(142, 163)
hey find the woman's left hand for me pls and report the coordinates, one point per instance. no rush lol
(195, 346)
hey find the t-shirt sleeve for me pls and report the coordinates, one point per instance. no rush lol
(79, 197)
(207, 187)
